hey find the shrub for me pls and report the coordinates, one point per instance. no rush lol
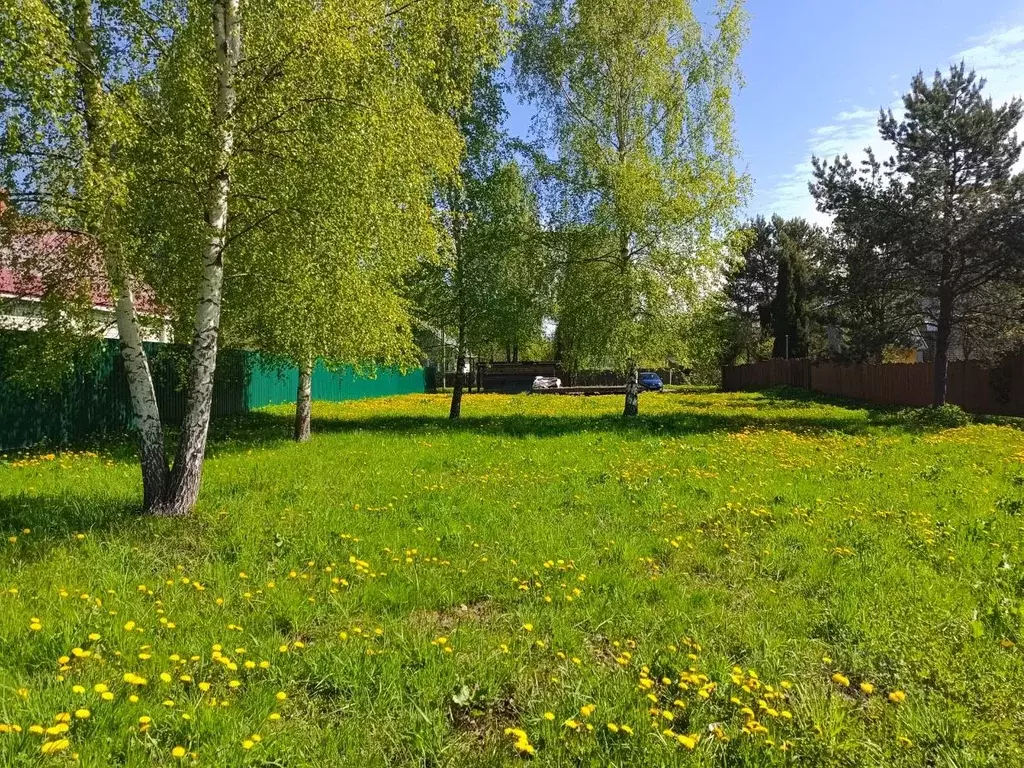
(943, 416)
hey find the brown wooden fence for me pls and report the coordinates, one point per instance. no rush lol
(972, 386)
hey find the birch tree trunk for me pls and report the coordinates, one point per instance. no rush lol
(632, 407)
(303, 401)
(457, 210)
(142, 393)
(155, 472)
(456, 410)
(185, 477)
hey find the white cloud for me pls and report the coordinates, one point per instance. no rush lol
(998, 57)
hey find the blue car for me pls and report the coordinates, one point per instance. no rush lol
(650, 382)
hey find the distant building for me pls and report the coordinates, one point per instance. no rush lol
(22, 289)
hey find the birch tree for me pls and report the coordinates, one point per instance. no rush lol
(332, 265)
(490, 215)
(140, 129)
(637, 99)
(70, 97)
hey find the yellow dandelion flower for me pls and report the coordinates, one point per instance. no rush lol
(689, 742)
(53, 747)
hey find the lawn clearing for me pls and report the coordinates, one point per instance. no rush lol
(731, 580)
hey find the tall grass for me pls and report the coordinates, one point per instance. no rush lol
(733, 579)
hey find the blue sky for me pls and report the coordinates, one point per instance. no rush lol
(817, 71)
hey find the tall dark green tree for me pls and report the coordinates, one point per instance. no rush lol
(774, 290)
(953, 205)
(751, 282)
(791, 322)
(868, 297)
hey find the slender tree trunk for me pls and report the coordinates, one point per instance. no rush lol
(303, 401)
(632, 407)
(942, 336)
(456, 207)
(153, 459)
(632, 404)
(155, 472)
(460, 363)
(185, 477)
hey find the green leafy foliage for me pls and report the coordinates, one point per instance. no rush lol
(947, 416)
(636, 99)
(490, 289)
(776, 288)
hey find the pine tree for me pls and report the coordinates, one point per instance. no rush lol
(950, 204)
(790, 312)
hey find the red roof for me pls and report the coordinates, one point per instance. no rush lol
(32, 259)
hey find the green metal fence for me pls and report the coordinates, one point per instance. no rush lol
(268, 385)
(94, 401)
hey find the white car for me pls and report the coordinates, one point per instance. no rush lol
(546, 382)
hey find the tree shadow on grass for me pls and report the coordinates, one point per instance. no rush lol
(64, 513)
(715, 412)
(262, 429)
(780, 409)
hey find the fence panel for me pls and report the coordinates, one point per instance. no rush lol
(975, 388)
(94, 402)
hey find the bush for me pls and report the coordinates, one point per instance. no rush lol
(944, 416)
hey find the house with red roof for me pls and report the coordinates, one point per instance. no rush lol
(36, 258)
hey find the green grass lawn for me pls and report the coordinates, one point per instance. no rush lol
(732, 580)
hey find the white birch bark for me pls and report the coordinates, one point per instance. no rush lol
(143, 398)
(303, 402)
(632, 406)
(185, 477)
(136, 365)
